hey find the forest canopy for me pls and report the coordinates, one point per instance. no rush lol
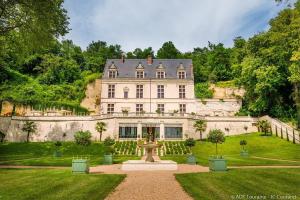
(36, 68)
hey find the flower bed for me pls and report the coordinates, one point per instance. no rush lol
(175, 148)
(126, 148)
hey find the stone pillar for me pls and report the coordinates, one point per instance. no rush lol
(139, 130)
(162, 130)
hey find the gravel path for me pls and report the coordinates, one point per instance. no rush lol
(149, 185)
(144, 185)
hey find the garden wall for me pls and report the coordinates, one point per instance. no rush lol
(283, 130)
(63, 127)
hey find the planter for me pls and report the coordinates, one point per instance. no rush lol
(191, 160)
(57, 154)
(80, 166)
(244, 153)
(108, 159)
(217, 164)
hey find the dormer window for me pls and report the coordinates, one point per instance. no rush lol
(112, 74)
(160, 74)
(140, 71)
(181, 72)
(113, 71)
(181, 75)
(160, 71)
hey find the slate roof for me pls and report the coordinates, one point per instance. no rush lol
(128, 68)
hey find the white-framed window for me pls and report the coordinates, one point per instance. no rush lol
(111, 91)
(182, 91)
(112, 74)
(110, 108)
(182, 108)
(161, 108)
(139, 91)
(160, 91)
(181, 74)
(139, 74)
(139, 108)
(160, 74)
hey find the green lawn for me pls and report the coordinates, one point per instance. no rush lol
(260, 146)
(251, 182)
(41, 153)
(55, 184)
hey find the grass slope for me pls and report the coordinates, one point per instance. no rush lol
(55, 184)
(252, 182)
(261, 146)
(41, 153)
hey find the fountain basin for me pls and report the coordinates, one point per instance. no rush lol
(142, 165)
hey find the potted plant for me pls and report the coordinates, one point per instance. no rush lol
(125, 112)
(108, 150)
(216, 162)
(191, 159)
(244, 152)
(57, 152)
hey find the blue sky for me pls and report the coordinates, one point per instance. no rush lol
(188, 23)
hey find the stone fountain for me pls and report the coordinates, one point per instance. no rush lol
(149, 147)
(149, 164)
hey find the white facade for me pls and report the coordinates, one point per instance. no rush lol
(141, 95)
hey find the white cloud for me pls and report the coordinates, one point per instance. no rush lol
(188, 23)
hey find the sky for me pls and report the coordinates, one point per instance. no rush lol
(150, 23)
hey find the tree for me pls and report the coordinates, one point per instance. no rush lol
(216, 136)
(295, 79)
(200, 125)
(140, 54)
(36, 21)
(96, 54)
(168, 51)
(263, 126)
(100, 127)
(29, 127)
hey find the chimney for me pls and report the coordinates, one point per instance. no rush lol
(123, 58)
(149, 60)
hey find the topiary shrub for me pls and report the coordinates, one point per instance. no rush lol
(190, 142)
(108, 145)
(243, 143)
(83, 138)
(216, 137)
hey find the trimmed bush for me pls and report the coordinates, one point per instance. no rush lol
(83, 138)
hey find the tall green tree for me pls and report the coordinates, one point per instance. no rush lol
(295, 79)
(168, 51)
(37, 21)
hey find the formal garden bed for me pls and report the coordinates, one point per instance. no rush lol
(126, 148)
(175, 148)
